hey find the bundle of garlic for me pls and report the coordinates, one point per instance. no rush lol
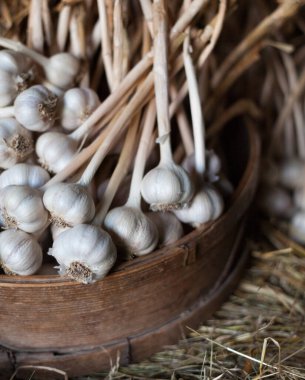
(58, 132)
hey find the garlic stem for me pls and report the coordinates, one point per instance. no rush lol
(161, 80)
(119, 173)
(134, 198)
(46, 22)
(63, 27)
(117, 128)
(7, 111)
(147, 11)
(35, 38)
(196, 111)
(106, 47)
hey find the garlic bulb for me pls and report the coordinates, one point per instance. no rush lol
(15, 143)
(55, 150)
(85, 253)
(60, 69)
(56, 230)
(299, 197)
(24, 174)
(35, 108)
(77, 105)
(19, 253)
(15, 76)
(206, 205)
(297, 227)
(21, 207)
(131, 230)
(275, 201)
(166, 187)
(291, 173)
(69, 204)
(212, 165)
(169, 227)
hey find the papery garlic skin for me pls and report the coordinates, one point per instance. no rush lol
(69, 204)
(206, 205)
(85, 253)
(24, 174)
(56, 230)
(15, 143)
(20, 253)
(21, 207)
(166, 187)
(15, 75)
(132, 230)
(77, 105)
(35, 108)
(55, 151)
(169, 227)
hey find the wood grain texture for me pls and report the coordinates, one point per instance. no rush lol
(52, 320)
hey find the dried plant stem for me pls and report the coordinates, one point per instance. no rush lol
(34, 368)
(47, 22)
(287, 109)
(161, 79)
(120, 45)
(116, 130)
(77, 33)
(134, 198)
(297, 109)
(146, 6)
(63, 27)
(286, 10)
(240, 107)
(106, 46)
(120, 172)
(183, 124)
(196, 111)
(35, 37)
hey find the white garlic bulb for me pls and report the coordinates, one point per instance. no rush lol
(24, 174)
(20, 253)
(15, 143)
(21, 207)
(166, 187)
(15, 76)
(275, 201)
(55, 150)
(35, 108)
(85, 253)
(69, 204)
(132, 230)
(207, 205)
(77, 105)
(291, 173)
(169, 227)
(299, 197)
(212, 169)
(297, 227)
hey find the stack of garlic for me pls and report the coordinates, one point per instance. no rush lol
(51, 127)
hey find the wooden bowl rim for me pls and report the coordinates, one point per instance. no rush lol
(163, 253)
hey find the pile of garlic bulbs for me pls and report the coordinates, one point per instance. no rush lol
(56, 139)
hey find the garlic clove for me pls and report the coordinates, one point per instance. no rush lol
(207, 205)
(169, 227)
(77, 105)
(55, 151)
(35, 108)
(19, 253)
(16, 143)
(85, 253)
(132, 230)
(69, 204)
(21, 207)
(166, 187)
(24, 174)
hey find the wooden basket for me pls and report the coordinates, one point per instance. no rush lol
(143, 304)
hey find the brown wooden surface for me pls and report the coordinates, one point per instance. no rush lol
(48, 319)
